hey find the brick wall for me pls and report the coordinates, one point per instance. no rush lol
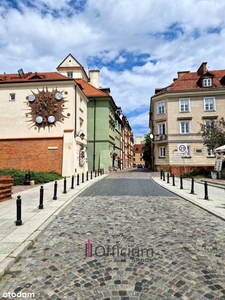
(32, 154)
(179, 170)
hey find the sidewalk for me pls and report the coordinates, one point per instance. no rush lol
(14, 240)
(216, 193)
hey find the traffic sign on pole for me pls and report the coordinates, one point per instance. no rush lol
(182, 148)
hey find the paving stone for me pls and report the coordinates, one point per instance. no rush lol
(188, 245)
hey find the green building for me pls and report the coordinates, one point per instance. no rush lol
(103, 128)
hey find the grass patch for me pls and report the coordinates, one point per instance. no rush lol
(38, 177)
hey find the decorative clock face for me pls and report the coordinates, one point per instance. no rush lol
(46, 108)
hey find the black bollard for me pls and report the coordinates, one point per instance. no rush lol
(168, 178)
(78, 177)
(27, 178)
(181, 182)
(91, 174)
(41, 206)
(206, 190)
(163, 176)
(95, 173)
(98, 172)
(64, 191)
(173, 180)
(55, 191)
(72, 183)
(18, 211)
(82, 177)
(192, 185)
(87, 176)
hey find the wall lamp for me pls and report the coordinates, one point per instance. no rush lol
(80, 134)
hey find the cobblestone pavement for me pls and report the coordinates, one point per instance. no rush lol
(143, 247)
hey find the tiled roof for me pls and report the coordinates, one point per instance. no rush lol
(191, 81)
(138, 148)
(27, 77)
(89, 90)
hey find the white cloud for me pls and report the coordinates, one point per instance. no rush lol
(174, 35)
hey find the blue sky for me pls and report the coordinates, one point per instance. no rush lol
(137, 45)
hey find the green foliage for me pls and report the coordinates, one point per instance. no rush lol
(214, 134)
(198, 172)
(38, 177)
(147, 149)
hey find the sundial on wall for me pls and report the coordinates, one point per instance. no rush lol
(47, 108)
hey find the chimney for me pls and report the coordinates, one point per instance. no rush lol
(202, 69)
(94, 76)
(182, 73)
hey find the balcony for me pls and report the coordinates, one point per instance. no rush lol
(159, 137)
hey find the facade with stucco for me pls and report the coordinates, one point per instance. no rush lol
(176, 113)
(42, 117)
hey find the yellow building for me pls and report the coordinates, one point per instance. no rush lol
(176, 113)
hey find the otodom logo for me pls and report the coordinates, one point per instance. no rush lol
(117, 250)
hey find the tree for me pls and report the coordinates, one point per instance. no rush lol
(213, 133)
(147, 155)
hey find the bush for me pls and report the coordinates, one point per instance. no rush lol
(38, 177)
(201, 172)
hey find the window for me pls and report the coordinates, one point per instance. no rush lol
(162, 151)
(160, 108)
(207, 82)
(210, 151)
(184, 105)
(70, 74)
(12, 97)
(209, 104)
(209, 125)
(161, 128)
(184, 127)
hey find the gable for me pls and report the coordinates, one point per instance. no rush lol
(69, 61)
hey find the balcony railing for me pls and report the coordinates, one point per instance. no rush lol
(159, 137)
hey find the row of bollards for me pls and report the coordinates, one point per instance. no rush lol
(18, 221)
(162, 176)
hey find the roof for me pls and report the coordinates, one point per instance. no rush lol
(139, 148)
(89, 90)
(28, 77)
(191, 81)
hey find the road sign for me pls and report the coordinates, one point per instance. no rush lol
(182, 148)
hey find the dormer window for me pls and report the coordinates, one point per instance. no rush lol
(207, 82)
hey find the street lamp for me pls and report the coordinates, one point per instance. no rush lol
(80, 134)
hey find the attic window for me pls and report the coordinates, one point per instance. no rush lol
(207, 82)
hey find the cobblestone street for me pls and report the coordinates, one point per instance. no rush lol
(124, 238)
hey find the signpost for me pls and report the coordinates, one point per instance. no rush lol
(182, 149)
(218, 163)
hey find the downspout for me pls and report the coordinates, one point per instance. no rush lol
(75, 125)
(94, 134)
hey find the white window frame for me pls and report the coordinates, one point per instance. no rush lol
(209, 106)
(161, 128)
(162, 151)
(185, 107)
(12, 97)
(207, 82)
(70, 74)
(161, 107)
(184, 127)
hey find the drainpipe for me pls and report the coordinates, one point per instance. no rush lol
(75, 125)
(94, 134)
